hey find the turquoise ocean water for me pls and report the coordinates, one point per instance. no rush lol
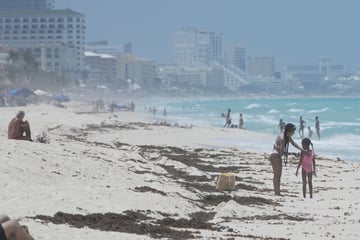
(339, 118)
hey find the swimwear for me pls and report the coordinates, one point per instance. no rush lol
(2, 233)
(307, 162)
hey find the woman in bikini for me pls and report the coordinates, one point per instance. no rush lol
(280, 149)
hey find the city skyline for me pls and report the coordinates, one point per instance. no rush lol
(294, 32)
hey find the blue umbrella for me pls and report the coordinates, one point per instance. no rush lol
(23, 92)
(61, 98)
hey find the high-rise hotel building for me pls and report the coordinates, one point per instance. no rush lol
(55, 37)
(195, 48)
(26, 4)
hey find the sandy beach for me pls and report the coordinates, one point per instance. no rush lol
(122, 175)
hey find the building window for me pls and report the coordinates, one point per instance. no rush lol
(34, 20)
(70, 19)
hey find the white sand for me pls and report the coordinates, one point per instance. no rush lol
(84, 171)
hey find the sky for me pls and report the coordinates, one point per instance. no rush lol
(292, 31)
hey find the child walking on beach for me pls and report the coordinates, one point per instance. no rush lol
(307, 161)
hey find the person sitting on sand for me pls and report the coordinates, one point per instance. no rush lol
(18, 128)
(280, 148)
(11, 229)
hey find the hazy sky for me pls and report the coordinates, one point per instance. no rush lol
(294, 32)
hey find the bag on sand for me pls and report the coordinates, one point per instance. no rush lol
(225, 181)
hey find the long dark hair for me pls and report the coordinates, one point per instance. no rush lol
(289, 127)
(307, 142)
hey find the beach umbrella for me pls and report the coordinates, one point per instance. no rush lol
(40, 92)
(61, 98)
(23, 92)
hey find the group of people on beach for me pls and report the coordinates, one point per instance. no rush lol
(302, 125)
(281, 150)
(228, 120)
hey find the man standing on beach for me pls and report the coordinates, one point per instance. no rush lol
(317, 126)
(302, 126)
(241, 122)
(281, 125)
(228, 119)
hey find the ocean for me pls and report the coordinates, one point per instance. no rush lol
(339, 119)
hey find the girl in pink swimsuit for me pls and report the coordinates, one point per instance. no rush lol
(307, 161)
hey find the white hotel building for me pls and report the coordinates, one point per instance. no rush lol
(197, 48)
(54, 37)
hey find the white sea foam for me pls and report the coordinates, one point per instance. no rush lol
(296, 110)
(319, 110)
(272, 111)
(253, 105)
